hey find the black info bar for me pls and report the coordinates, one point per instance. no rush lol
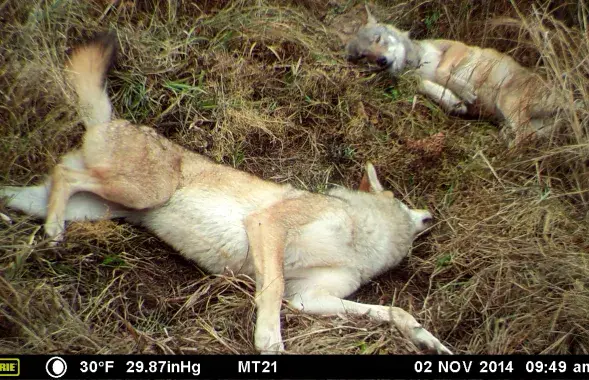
(294, 367)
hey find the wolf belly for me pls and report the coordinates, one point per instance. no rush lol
(205, 227)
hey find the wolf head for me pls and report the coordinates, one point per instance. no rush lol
(381, 44)
(421, 218)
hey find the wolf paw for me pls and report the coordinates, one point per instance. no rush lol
(5, 218)
(275, 349)
(425, 340)
(268, 342)
(278, 351)
(54, 231)
(460, 108)
(469, 97)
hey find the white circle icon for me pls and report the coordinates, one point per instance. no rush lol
(56, 367)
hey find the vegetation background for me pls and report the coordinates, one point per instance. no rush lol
(264, 86)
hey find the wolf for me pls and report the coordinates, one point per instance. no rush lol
(311, 250)
(463, 79)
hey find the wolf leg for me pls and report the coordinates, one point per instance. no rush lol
(443, 96)
(266, 244)
(457, 81)
(32, 200)
(268, 231)
(517, 115)
(544, 101)
(322, 303)
(320, 291)
(65, 181)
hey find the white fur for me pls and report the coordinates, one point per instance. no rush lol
(396, 55)
(82, 206)
(208, 228)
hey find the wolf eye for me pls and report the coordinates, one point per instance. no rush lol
(377, 38)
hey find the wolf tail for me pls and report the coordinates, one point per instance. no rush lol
(86, 72)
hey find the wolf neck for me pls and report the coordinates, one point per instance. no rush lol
(414, 53)
(413, 48)
(375, 226)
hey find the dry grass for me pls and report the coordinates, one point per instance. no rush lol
(264, 86)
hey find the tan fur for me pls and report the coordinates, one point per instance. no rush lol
(463, 79)
(86, 73)
(311, 249)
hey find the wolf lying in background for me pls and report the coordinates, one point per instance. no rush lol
(311, 249)
(462, 79)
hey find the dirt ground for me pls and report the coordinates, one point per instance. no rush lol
(264, 86)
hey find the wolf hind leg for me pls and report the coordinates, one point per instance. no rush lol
(65, 182)
(68, 179)
(32, 200)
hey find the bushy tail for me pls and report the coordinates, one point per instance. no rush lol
(86, 72)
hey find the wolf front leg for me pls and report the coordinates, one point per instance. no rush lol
(457, 80)
(322, 303)
(443, 96)
(266, 245)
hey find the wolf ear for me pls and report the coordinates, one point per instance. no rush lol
(370, 182)
(344, 38)
(370, 20)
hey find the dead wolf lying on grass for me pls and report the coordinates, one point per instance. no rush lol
(311, 249)
(462, 79)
